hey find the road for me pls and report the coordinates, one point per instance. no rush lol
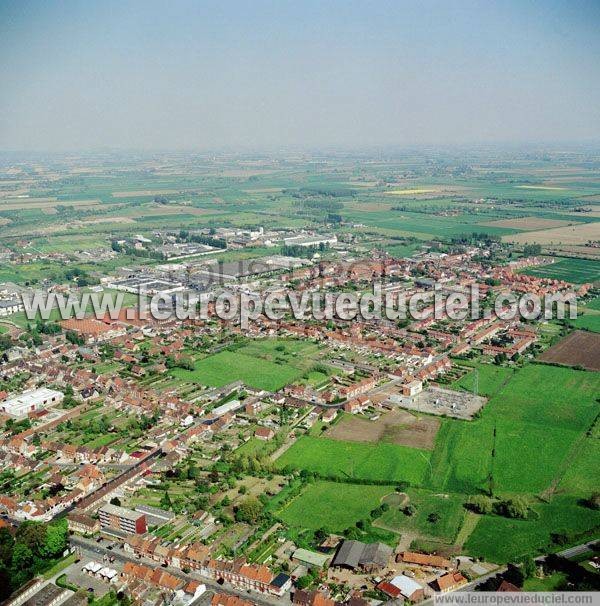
(92, 550)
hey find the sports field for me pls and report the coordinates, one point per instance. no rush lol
(335, 458)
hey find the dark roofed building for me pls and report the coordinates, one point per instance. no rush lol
(368, 557)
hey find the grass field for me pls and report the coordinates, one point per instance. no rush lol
(501, 539)
(577, 271)
(537, 416)
(227, 366)
(449, 508)
(588, 321)
(380, 462)
(331, 505)
(489, 379)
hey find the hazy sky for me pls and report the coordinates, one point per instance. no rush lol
(211, 75)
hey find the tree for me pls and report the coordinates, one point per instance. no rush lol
(249, 510)
(304, 582)
(22, 557)
(517, 507)
(56, 539)
(433, 517)
(480, 504)
(165, 501)
(594, 501)
(529, 567)
(115, 501)
(33, 536)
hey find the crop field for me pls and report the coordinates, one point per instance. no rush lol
(580, 233)
(333, 506)
(580, 348)
(380, 462)
(588, 322)
(577, 271)
(227, 366)
(425, 225)
(528, 223)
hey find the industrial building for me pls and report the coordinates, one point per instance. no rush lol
(30, 401)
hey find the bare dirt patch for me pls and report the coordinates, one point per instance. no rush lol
(528, 223)
(581, 233)
(395, 427)
(580, 348)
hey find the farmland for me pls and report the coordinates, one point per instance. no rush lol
(500, 539)
(487, 378)
(577, 271)
(580, 348)
(531, 430)
(443, 526)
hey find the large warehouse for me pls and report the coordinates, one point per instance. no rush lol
(30, 401)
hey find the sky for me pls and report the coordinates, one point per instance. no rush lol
(81, 75)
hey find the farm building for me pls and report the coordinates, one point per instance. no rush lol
(367, 557)
(311, 559)
(402, 586)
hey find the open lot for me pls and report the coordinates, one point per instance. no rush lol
(580, 348)
(396, 427)
(227, 366)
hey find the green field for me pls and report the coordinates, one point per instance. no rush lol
(588, 321)
(379, 462)
(331, 505)
(573, 270)
(227, 366)
(449, 508)
(538, 416)
(501, 539)
(263, 364)
(488, 378)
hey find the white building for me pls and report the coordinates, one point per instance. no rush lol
(30, 401)
(10, 306)
(306, 240)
